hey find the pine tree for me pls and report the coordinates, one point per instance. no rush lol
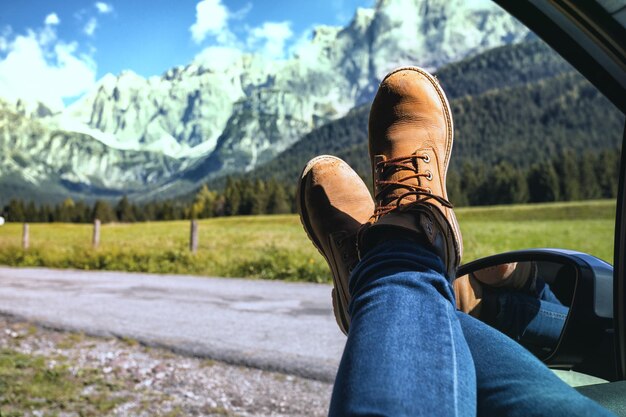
(589, 183)
(278, 202)
(124, 210)
(606, 170)
(82, 212)
(291, 190)
(30, 213)
(507, 185)
(543, 183)
(246, 191)
(165, 210)
(473, 176)
(103, 212)
(259, 198)
(178, 211)
(64, 212)
(219, 208)
(15, 211)
(203, 204)
(455, 192)
(569, 174)
(232, 197)
(46, 213)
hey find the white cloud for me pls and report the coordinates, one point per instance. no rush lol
(211, 19)
(219, 58)
(241, 13)
(5, 36)
(52, 19)
(79, 15)
(46, 36)
(90, 26)
(38, 67)
(271, 38)
(214, 19)
(103, 7)
(303, 47)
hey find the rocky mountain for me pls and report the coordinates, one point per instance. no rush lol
(521, 104)
(228, 111)
(36, 155)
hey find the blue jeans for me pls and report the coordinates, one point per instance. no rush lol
(410, 353)
(535, 319)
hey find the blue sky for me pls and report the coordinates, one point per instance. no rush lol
(57, 49)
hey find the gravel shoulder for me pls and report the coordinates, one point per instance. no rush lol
(277, 326)
(120, 377)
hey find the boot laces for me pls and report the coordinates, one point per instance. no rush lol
(386, 201)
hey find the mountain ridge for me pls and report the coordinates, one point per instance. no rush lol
(228, 111)
(540, 90)
(336, 71)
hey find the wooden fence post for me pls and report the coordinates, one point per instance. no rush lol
(193, 236)
(96, 233)
(25, 237)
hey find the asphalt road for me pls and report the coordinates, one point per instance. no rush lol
(285, 327)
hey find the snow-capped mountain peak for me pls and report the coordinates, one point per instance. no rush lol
(240, 109)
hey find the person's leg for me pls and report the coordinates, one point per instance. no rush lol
(512, 382)
(544, 292)
(405, 354)
(528, 319)
(514, 300)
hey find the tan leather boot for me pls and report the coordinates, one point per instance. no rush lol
(334, 202)
(514, 276)
(410, 141)
(469, 294)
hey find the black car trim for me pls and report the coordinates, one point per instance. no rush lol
(619, 269)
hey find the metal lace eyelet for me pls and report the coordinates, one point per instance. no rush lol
(344, 256)
(426, 158)
(429, 177)
(429, 191)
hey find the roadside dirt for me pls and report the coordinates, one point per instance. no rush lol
(142, 381)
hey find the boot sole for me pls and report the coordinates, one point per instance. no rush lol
(339, 304)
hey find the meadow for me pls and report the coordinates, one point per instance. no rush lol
(276, 247)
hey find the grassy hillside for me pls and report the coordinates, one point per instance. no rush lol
(276, 247)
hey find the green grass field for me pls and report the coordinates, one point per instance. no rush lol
(276, 247)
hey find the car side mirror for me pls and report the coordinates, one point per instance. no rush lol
(556, 303)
